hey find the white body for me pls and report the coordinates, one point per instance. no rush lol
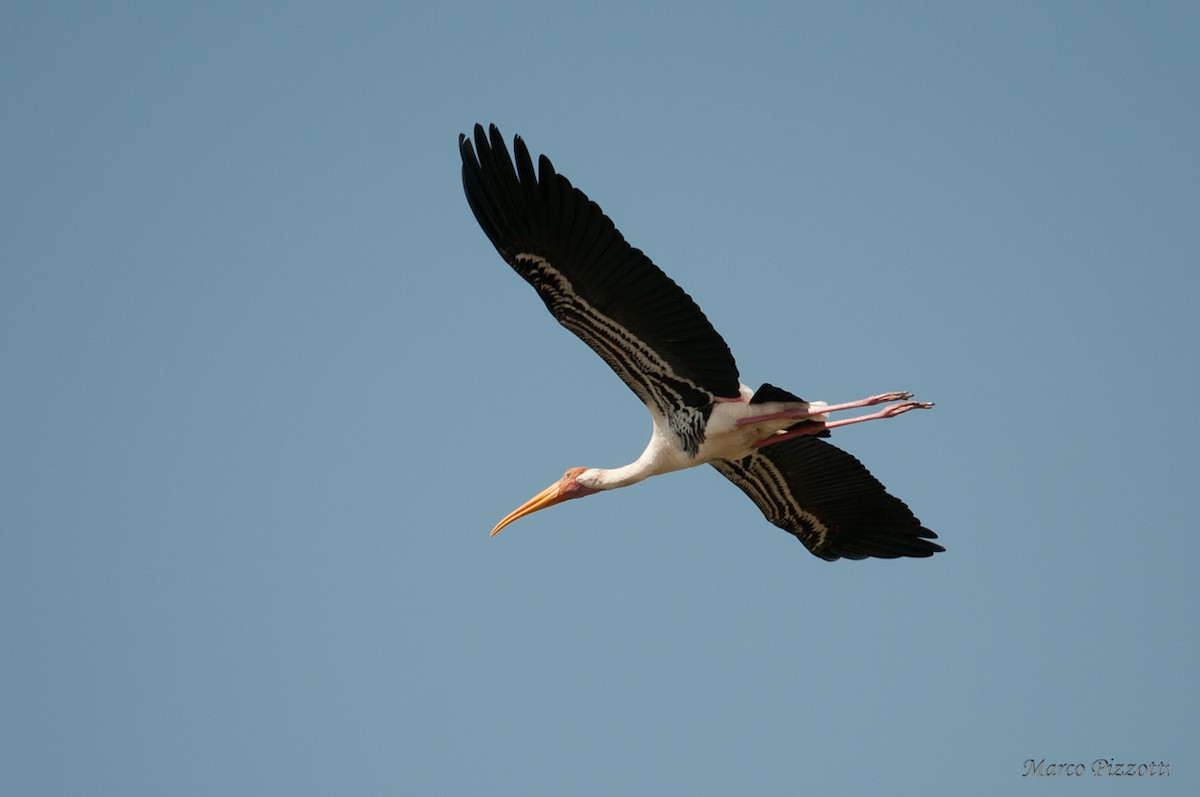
(723, 439)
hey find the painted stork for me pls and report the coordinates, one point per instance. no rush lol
(663, 347)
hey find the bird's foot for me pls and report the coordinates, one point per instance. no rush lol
(816, 427)
(897, 395)
(897, 409)
(822, 409)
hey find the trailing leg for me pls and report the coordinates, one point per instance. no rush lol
(816, 427)
(818, 408)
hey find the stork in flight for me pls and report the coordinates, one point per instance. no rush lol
(663, 347)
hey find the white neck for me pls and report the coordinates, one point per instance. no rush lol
(612, 478)
(657, 458)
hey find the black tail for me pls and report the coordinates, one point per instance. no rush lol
(769, 392)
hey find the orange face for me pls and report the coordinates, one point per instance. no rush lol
(564, 489)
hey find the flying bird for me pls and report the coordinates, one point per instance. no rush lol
(663, 347)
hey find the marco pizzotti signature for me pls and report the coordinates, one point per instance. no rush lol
(1101, 767)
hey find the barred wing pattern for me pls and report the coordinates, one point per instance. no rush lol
(648, 330)
(828, 500)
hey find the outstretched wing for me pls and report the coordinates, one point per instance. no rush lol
(598, 286)
(829, 501)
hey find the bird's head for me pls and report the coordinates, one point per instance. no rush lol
(564, 489)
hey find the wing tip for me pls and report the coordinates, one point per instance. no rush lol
(525, 210)
(886, 544)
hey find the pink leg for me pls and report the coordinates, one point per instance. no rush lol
(798, 415)
(816, 427)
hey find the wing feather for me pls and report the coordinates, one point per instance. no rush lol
(829, 501)
(610, 294)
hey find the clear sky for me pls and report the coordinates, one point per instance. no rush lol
(267, 387)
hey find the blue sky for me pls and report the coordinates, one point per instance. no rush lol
(267, 388)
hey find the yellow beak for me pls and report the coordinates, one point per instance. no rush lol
(549, 497)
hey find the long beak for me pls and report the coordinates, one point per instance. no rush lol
(549, 497)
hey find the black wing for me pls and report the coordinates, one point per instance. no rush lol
(598, 286)
(829, 501)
